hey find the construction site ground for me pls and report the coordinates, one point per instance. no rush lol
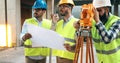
(16, 55)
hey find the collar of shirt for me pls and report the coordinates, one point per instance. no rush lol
(39, 22)
(64, 23)
(69, 18)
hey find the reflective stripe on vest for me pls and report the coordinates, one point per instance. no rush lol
(70, 40)
(110, 52)
(68, 32)
(98, 40)
(63, 54)
(30, 51)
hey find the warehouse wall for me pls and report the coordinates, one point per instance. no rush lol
(13, 19)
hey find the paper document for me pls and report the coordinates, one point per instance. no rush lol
(45, 38)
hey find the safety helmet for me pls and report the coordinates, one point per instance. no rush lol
(66, 2)
(39, 4)
(101, 3)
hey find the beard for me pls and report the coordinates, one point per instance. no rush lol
(63, 14)
(36, 15)
(104, 18)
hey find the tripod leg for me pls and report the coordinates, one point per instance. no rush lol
(81, 49)
(92, 53)
(87, 50)
(77, 49)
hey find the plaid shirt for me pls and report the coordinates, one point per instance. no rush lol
(108, 35)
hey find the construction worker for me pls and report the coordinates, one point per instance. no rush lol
(107, 39)
(65, 28)
(105, 32)
(35, 54)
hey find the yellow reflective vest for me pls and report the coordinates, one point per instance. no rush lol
(68, 32)
(30, 51)
(107, 53)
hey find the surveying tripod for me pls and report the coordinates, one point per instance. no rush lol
(84, 32)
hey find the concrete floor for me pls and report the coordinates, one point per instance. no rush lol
(12, 55)
(16, 55)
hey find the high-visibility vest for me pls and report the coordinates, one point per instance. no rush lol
(68, 32)
(107, 52)
(30, 51)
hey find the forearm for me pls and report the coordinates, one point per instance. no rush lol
(24, 31)
(108, 35)
(53, 26)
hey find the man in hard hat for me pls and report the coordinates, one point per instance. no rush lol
(65, 28)
(35, 54)
(105, 32)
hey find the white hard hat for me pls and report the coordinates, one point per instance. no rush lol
(101, 3)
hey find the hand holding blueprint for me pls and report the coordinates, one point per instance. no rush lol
(45, 38)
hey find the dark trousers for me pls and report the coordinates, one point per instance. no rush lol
(63, 60)
(29, 60)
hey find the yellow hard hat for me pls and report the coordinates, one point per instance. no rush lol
(66, 2)
(101, 3)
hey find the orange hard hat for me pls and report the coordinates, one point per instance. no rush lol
(66, 2)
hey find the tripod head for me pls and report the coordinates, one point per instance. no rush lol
(86, 16)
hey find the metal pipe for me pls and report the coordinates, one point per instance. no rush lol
(6, 23)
